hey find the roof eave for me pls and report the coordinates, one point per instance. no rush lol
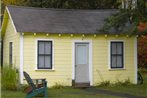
(4, 22)
(7, 16)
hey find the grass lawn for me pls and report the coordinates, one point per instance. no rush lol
(139, 90)
(75, 93)
(58, 93)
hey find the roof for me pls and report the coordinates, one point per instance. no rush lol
(49, 20)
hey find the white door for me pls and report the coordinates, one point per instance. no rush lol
(82, 63)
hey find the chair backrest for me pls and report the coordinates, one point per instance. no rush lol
(29, 80)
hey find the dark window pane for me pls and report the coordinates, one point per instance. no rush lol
(47, 48)
(41, 61)
(114, 48)
(114, 60)
(48, 61)
(116, 54)
(10, 52)
(119, 48)
(44, 54)
(119, 61)
(41, 47)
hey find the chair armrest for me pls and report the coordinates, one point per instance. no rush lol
(41, 82)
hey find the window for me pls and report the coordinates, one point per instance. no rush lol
(10, 52)
(117, 55)
(44, 55)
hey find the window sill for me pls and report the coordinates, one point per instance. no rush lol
(115, 69)
(44, 69)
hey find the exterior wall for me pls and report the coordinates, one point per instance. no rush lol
(102, 71)
(62, 72)
(11, 36)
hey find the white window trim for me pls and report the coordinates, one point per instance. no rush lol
(90, 59)
(36, 68)
(109, 56)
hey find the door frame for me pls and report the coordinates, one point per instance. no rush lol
(90, 59)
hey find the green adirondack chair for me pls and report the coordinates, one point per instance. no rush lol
(35, 89)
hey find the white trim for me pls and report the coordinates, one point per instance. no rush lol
(135, 59)
(73, 60)
(44, 70)
(122, 4)
(1, 26)
(109, 43)
(21, 59)
(90, 59)
(52, 54)
(113, 69)
(11, 20)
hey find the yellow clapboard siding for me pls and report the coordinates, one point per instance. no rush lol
(11, 36)
(63, 58)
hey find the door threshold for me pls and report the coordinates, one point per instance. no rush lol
(82, 85)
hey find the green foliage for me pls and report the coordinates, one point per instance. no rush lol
(126, 20)
(139, 78)
(58, 85)
(104, 83)
(72, 4)
(143, 70)
(122, 83)
(117, 83)
(133, 89)
(9, 78)
(142, 52)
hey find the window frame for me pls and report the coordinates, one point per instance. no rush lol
(10, 53)
(37, 56)
(123, 54)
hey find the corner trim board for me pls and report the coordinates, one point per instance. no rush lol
(135, 60)
(21, 59)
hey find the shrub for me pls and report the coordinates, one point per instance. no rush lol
(58, 85)
(9, 78)
(122, 83)
(143, 70)
(117, 83)
(104, 83)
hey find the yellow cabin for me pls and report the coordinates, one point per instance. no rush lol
(64, 46)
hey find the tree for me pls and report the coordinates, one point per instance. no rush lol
(127, 20)
(131, 21)
(142, 52)
(73, 4)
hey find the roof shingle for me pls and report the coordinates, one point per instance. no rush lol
(48, 20)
